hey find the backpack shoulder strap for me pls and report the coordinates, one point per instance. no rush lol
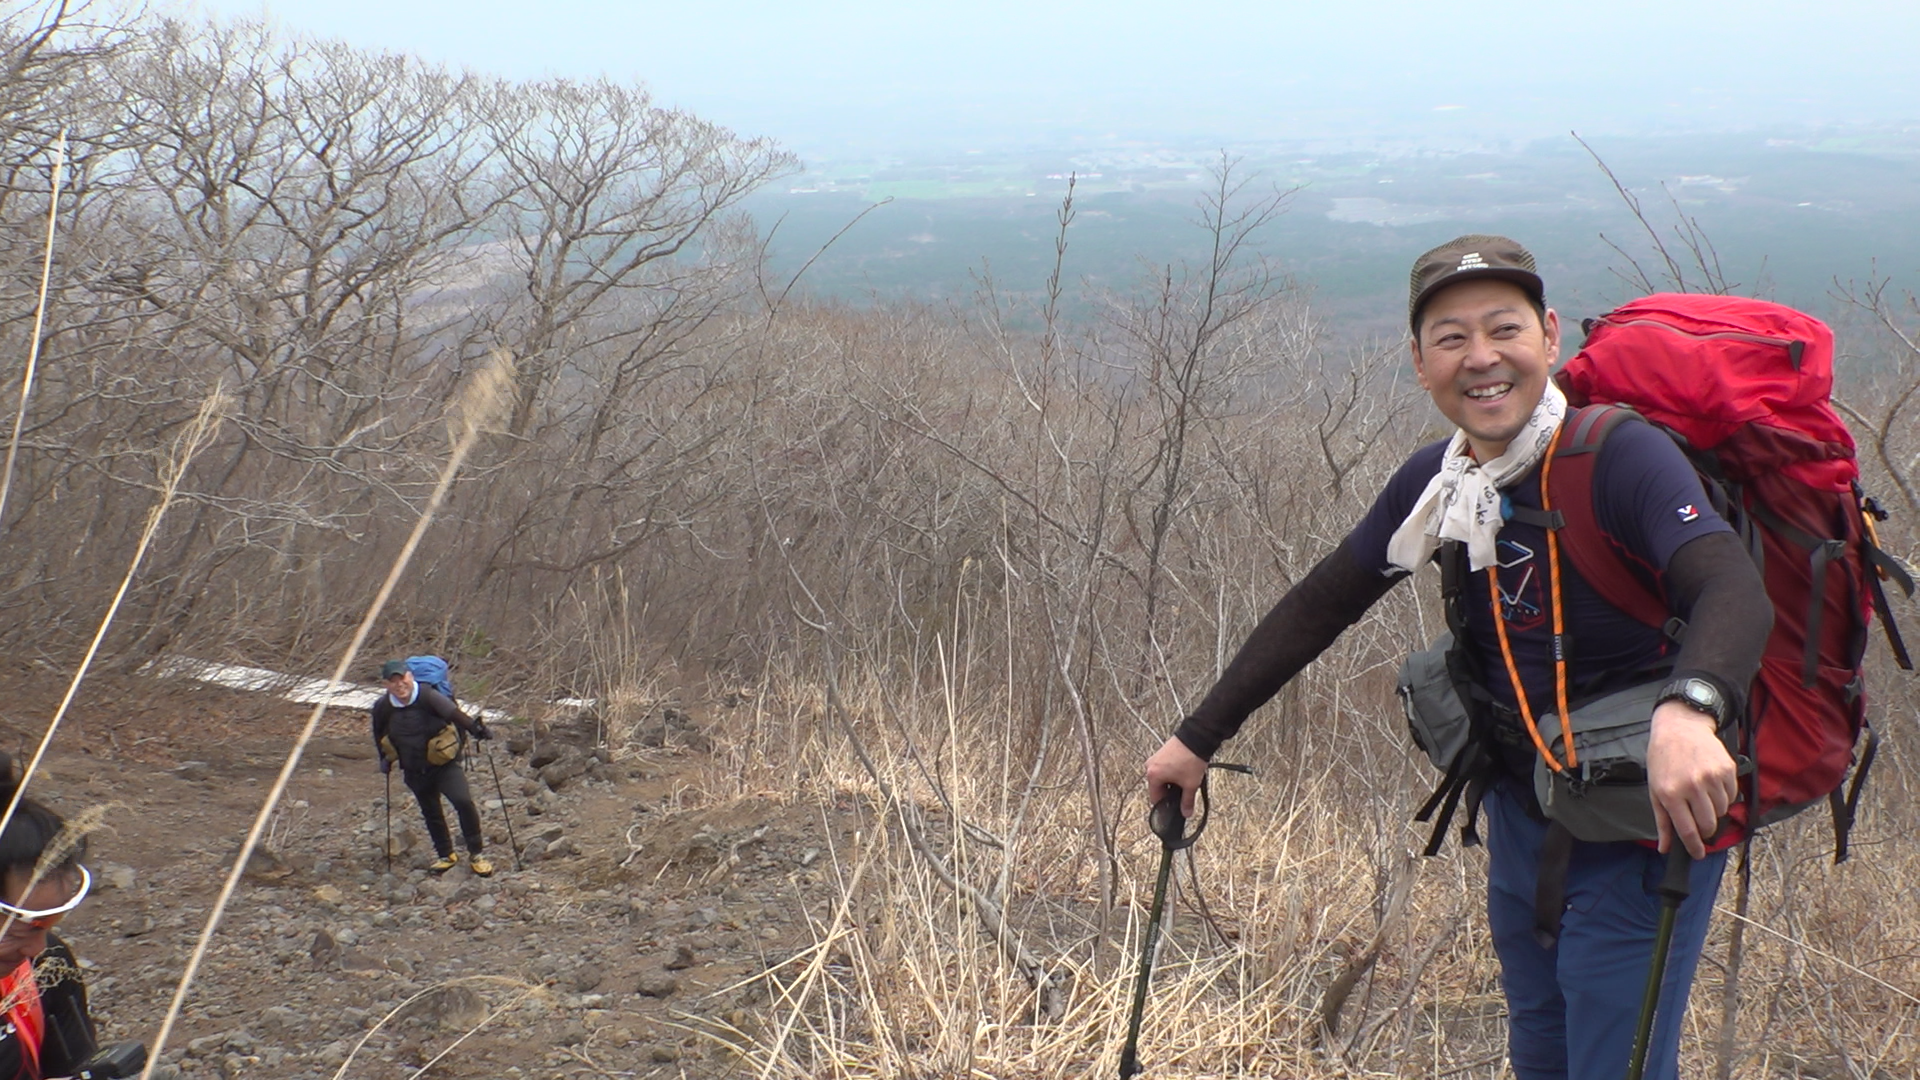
(1593, 555)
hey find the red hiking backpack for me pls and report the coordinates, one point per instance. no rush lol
(1744, 387)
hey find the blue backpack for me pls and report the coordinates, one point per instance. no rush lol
(432, 671)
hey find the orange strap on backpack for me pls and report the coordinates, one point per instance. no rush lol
(1559, 631)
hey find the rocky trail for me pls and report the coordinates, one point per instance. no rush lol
(636, 940)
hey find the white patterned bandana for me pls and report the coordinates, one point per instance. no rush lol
(1462, 501)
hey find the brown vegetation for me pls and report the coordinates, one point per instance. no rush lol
(994, 553)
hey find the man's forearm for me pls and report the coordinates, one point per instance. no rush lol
(1333, 596)
(1718, 590)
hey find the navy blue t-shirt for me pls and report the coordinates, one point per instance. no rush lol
(1646, 499)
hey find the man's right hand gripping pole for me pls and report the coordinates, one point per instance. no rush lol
(1173, 765)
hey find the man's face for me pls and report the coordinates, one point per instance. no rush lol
(26, 938)
(1483, 355)
(401, 685)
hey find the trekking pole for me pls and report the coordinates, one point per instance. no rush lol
(505, 812)
(1674, 889)
(388, 772)
(1170, 825)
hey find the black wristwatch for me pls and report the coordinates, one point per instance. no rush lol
(1699, 694)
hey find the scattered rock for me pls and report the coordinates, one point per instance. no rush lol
(658, 984)
(676, 728)
(114, 876)
(451, 1007)
(556, 775)
(327, 922)
(265, 864)
(359, 960)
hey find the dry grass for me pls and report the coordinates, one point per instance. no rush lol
(1299, 871)
(970, 560)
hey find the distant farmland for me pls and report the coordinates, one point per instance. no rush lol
(1786, 215)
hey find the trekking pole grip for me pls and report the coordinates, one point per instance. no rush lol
(1677, 884)
(1165, 819)
(1170, 825)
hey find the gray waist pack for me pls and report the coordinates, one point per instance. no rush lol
(1604, 796)
(1436, 716)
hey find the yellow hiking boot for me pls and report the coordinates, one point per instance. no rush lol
(445, 863)
(481, 866)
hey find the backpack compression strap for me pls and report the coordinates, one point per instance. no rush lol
(1883, 567)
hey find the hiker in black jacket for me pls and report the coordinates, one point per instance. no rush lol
(410, 722)
(1484, 343)
(45, 1029)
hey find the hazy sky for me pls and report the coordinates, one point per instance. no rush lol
(825, 76)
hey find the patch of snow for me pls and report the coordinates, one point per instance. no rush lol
(295, 688)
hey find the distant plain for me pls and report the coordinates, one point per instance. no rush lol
(1787, 212)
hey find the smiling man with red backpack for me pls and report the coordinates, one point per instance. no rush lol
(1589, 732)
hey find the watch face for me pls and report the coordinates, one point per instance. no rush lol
(1698, 693)
(1701, 692)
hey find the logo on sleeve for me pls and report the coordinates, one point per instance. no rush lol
(1689, 512)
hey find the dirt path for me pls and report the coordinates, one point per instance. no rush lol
(628, 946)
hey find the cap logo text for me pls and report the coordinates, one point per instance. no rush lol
(1471, 261)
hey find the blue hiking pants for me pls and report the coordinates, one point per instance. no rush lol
(1572, 1009)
